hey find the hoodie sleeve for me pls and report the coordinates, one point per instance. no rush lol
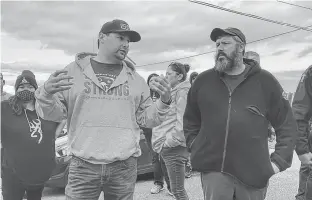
(302, 110)
(150, 114)
(191, 118)
(50, 107)
(281, 117)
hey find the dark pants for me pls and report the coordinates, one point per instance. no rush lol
(159, 168)
(220, 186)
(175, 159)
(305, 183)
(14, 189)
(86, 181)
(308, 192)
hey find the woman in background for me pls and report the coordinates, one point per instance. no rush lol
(168, 138)
(28, 142)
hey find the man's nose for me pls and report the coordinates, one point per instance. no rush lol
(126, 44)
(220, 48)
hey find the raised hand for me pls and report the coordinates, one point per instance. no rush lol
(58, 81)
(161, 85)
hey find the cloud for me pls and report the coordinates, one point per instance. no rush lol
(278, 53)
(70, 26)
(44, 39)
(305, 52)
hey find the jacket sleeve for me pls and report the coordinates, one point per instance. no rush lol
(281, 117)
(191, 118)
(50, 107)
(302, 111)
(150, 114)
(181, 104)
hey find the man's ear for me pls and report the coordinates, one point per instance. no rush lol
(102, 37)
(242, 48)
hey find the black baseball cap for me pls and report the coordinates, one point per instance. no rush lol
(228, 31)
(120, 26)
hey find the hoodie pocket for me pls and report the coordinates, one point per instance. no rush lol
(106, 143)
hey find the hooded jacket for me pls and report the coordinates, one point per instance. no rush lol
(302, 108)
(170, 132)
(228, 131)
(103, 126)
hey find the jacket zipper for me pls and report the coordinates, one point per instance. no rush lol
(227, 129)
(228, 121)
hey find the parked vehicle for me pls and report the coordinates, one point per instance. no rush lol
(59, 176)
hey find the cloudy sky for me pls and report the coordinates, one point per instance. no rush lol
(45, 36)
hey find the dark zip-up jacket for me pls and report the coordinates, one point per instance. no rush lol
(302, 108)
(228, 131)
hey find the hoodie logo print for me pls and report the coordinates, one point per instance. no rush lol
(35, 130)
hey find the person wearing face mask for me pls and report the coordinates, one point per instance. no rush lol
(168, 138)
(28, 142)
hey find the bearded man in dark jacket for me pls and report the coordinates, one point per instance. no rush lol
(226, 122)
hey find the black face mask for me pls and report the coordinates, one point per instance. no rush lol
(25, 95)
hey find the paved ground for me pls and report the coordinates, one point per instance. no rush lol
(283, 186)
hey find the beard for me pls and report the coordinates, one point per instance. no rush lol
(228, 62)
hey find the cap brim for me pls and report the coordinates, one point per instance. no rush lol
(215, 33)
(133, 35)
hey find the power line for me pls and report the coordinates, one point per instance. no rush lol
(208, 52)
(250, 15)
(177, 59)
(294, 5)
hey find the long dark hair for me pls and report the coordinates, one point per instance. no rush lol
(16, 104)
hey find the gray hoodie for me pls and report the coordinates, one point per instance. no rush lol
(103, 126)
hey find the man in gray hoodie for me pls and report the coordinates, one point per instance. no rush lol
(105, 101)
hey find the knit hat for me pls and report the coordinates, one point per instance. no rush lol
(26, 77)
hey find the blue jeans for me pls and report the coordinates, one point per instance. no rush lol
(87, 181)
(305, 183)
(175, 159)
